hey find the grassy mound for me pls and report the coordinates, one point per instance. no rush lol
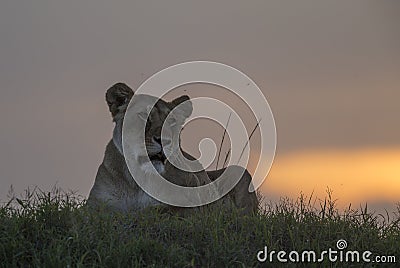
(55, 230)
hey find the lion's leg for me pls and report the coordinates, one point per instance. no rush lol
(240, 194)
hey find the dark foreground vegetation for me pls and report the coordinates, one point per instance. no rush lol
(56, 230)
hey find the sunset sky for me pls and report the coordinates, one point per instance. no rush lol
(330, 72)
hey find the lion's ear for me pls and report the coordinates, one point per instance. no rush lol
(118, 97)
(186, 108)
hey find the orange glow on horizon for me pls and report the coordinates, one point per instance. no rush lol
(355, 176)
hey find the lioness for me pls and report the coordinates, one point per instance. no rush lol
(114, 184)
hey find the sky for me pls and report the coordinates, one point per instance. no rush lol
(330, 72)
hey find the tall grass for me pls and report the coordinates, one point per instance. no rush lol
(55, 229)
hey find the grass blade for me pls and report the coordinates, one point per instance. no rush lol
(222, 140)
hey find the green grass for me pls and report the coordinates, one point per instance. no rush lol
(55, 230)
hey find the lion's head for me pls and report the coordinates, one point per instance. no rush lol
(171, 115)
